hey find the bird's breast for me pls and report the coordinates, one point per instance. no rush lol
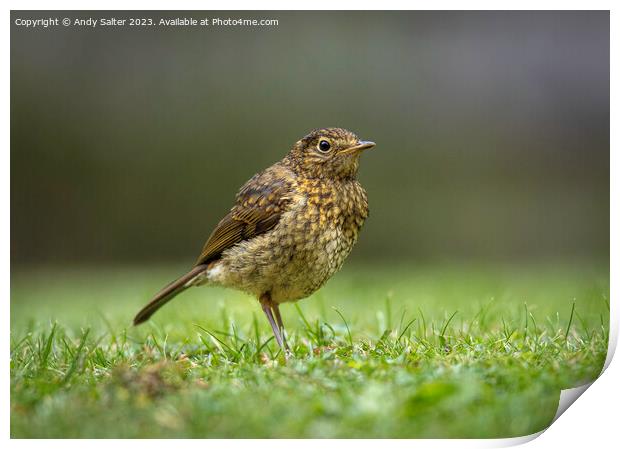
(307, 246)
(332, 217)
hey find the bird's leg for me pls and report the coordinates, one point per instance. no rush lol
(267, 304)
(276, 310)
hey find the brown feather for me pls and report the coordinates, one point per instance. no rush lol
(166, 294)
(260, 204)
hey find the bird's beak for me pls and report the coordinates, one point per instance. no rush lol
(361, 146)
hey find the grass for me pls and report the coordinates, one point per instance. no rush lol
(402, 352)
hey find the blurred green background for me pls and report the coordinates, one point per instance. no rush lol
(128, 144)
(488, 231)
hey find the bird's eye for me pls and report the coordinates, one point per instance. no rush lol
(324, 146)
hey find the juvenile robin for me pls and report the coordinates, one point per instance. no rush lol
(290, 230)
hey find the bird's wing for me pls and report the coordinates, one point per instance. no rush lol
(260, 204)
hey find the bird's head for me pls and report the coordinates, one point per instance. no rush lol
(328, 153)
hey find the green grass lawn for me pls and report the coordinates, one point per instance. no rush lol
(402, 351)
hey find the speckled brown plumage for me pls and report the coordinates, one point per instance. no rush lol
(291, 227)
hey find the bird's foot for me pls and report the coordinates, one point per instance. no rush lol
(267, 305)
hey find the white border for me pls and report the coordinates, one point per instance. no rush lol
(313, 5)
(591, 420)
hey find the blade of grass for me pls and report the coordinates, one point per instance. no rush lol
(443, 331)
(346, 325)
(405, 329)
(44, 355)
(217, 339)
(76, 357)
(570, 321)
(423, 322)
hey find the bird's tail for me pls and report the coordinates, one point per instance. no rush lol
(167, 293)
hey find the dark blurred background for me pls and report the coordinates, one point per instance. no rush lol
(129, 144)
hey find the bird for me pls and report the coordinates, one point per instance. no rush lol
(291, 228)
